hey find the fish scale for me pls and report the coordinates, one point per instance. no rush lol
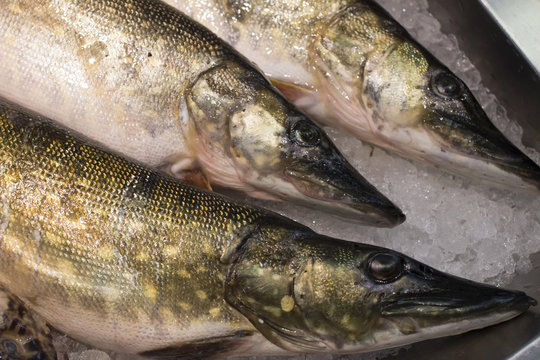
(149, 83)
(107, 236)
(118, 63)
(348, 64)
(131, 260)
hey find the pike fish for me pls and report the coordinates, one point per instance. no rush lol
(146, 81)
(349, 64)
(131, 260)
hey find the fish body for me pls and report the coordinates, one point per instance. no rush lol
(128, 259)
(350, 65)
(92, 272)
(148, 82)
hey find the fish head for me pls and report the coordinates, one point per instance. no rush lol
(309, 293)
(388, 90)
(253, 140)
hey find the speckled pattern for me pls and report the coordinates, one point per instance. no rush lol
(79, 62)
(268, 30)
(130, 260)
(349, 65)
(146, 81)
(96, 244)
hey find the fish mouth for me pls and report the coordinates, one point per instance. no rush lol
(485, 152)
(347, 195)
(447, 305)
(427, 317)
(458, 304)
(451, 304)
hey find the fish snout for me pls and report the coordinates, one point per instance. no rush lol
(468, 142)
(466, 304)
(338, 188)
(485, 153)
(512, 160)
(436, 297)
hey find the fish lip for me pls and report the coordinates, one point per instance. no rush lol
(453, 304)
(367, 206)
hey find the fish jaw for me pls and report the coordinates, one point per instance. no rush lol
(345, 195)
(326, 295)
(384, 88)
(451, 306)
(252, 140)
(398, 331)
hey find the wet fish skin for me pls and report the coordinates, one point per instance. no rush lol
(349, 64)
(127, 259)
(351, 297)
(107, 251)
(147, 82)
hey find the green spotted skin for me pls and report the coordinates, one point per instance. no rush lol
(348, 64)
(130, 260)
(147, 82)
(107, 251)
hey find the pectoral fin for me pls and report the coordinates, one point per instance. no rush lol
(187, 170)
(291, 91)
(23, 335)
(202, 349)
(305, 98)
(197, 178)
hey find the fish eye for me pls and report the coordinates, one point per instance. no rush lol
(305, 133)
(446, 85)
(385, 267)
